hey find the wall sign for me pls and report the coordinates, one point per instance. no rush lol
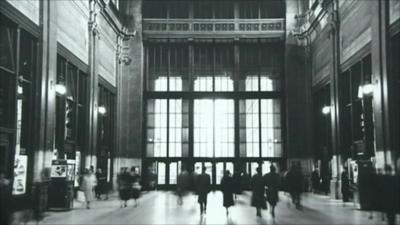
(20, 174)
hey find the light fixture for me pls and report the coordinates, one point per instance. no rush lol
(102, 110)
(326, 110)
(61, 89)
(366, 89)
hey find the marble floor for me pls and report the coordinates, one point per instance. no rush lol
(159, 207)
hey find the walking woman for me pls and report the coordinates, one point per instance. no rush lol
(88, 184)
(227, 190)
(124, 187)
(272, 181)
(258, 187)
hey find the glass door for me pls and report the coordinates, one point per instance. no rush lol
(174, 171)
(251, 168)
(161, 173)
(265, 168)
(220, 168)
(209, 169)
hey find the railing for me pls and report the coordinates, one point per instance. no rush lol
(213, 27)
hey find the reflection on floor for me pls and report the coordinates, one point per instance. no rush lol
(160, 207)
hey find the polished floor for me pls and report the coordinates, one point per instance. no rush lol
(159, 207)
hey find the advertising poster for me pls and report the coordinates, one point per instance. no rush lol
(20, 174)
(59, 169)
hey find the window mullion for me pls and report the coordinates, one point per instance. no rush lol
(259, 128)
(168, 116)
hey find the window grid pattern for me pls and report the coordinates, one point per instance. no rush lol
(160, 128)
(270, 128)
(252, 128)
(224, 128)
(252, 83)
(203, 128)
(175, 128)
(203, 83)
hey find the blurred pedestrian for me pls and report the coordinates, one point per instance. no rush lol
(315, 180)
(294, 179)
(237, 184)
(258, 196)
(182, 184)
(101, 187)
(124, 186)
(272, 181)
(346, 192)
(5, 197)
(203, 188)
(245, 181)
(227, 187)
(136, 187)
(88, 184)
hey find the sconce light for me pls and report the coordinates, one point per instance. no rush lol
(102, 110)
(366, 89)
(326, 110)
(61, 89)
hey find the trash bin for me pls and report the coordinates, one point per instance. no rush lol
(61, 188)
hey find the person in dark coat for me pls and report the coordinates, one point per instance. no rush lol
(124, 186)
(203, 188)
(237, 184)
(101, 187)
(227, 187)
(315, 180)
(272, 181)
(258, 187)
(345, 185)
(294, 179)
(245, 181)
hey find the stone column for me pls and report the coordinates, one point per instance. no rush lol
(94, 36)
(130, 97)
(297, 95)
(381, 80)
(46, 121)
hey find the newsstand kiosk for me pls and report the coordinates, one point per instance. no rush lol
(61, 189)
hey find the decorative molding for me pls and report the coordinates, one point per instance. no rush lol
(213, 28)
(94, 9)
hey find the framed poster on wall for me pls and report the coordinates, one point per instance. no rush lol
(20, 174)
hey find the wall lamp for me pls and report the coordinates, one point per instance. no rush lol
(102, 110)
(61, 89)
(326, 110)
(365, 90)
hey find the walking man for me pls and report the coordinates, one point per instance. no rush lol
(203, 188)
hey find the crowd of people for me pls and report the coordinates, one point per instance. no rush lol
(128, 186)
(265, 188)
(95, 185)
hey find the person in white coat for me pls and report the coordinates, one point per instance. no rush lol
(88, 185)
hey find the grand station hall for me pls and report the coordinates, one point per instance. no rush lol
(199, 112)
